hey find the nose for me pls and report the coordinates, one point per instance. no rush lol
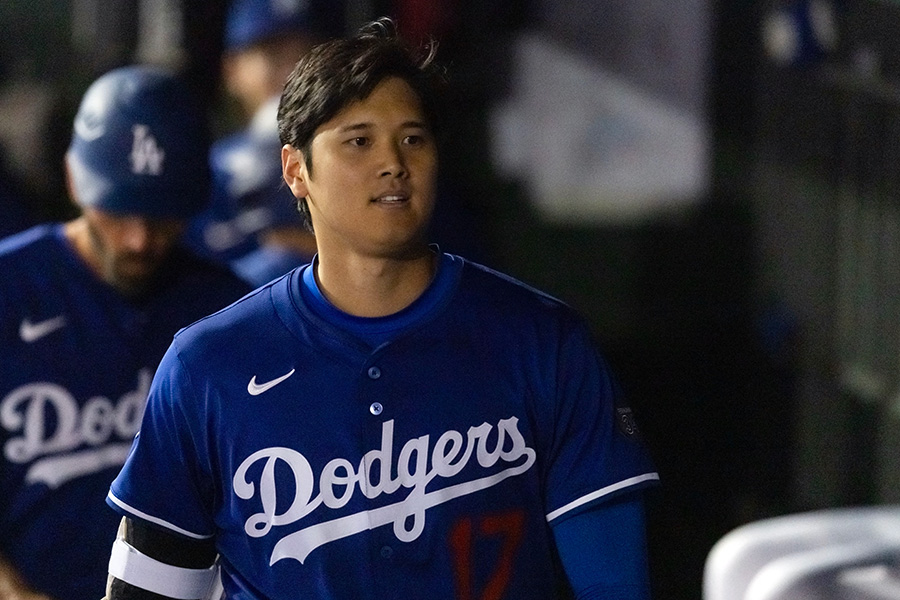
(394, 162)
(137, 234)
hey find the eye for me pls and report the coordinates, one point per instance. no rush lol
(415, 140)
(358, 141)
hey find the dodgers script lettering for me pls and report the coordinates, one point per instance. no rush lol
(56, 452)
(340, 479)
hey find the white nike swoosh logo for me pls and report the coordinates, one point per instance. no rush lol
(255, 389)
(31, 332)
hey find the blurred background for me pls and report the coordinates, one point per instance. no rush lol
(714, 184)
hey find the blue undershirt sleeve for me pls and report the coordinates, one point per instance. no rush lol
(604, 551)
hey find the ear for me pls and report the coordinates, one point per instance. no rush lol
(230, 69)
(293, 169)
(70, 184)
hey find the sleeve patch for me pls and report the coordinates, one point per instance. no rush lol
(626, 422)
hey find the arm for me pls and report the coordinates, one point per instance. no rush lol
(604, 551)
(12, 587)
(170, 559)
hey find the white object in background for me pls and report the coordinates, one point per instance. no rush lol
(592, 147)
(739, 555)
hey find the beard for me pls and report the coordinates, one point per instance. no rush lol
(133, 274)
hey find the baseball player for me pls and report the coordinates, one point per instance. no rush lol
(389, 421)
(252, 223)
(87, 310)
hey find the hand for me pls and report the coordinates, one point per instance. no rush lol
(22, 595)
(19, 592)
(13, 588)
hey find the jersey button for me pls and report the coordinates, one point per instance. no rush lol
(387, 552)
(376, 408)
(374, 372)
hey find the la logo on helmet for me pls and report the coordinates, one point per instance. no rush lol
(146, 155)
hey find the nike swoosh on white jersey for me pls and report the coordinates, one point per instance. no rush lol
(31, 332)
(255, 389)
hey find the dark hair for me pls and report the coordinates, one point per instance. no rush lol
(342, 71)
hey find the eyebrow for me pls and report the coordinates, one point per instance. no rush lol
(366, 125)
(353, 127)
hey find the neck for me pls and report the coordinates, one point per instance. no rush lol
(375, 287)
(79, 238)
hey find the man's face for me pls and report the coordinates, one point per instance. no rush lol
(372, 184)
(127, 251)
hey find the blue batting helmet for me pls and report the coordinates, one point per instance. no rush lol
(250, 22)
(140, 145)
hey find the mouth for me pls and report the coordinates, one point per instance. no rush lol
(139, 262)
(391, 198)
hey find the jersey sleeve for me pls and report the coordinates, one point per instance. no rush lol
(165, 480)
(597, 452)
(604, 551)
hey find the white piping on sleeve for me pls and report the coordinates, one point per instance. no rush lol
(157, 520)
(601, 492)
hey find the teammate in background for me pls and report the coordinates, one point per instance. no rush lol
(253, 224)
(87, 310)
(389, 421)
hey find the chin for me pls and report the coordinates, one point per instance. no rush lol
(133, 284)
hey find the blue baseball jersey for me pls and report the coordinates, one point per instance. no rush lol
(425, 454)
(76, 362)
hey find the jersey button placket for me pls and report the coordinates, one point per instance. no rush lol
(376, 408)
(380, 542)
